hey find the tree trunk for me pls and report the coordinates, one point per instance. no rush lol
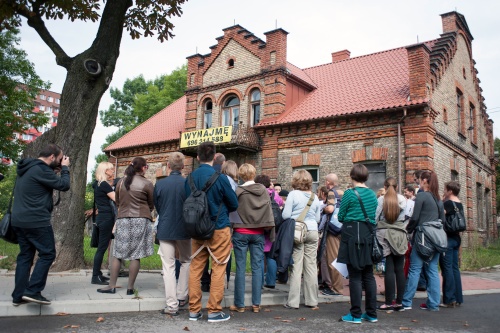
(79, 107)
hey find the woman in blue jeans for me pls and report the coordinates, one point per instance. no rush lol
(254, 209)
(427, 208)
(452, 281)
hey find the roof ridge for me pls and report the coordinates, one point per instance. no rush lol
(358, 57)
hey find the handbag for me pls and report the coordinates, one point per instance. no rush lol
(94, 239)
(455, 222)
(300, 232)
(7, 233)
(377, 250)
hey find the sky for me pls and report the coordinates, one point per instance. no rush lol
(316, 29)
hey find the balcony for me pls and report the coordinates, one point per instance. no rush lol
(243, 138)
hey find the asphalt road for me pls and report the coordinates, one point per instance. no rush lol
(477, 314)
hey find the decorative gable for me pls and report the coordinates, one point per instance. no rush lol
(233, 62)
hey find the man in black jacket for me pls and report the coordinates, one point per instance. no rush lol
(31, 215)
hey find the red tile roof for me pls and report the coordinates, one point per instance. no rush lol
(299, 73)
(163, 126)
(371, 82)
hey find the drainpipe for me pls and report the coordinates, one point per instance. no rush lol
(399, 151)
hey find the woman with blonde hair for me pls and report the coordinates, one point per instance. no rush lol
(134, 231)
(304, 254)
(391, 233)
(105, 220)
(230, 169)
(254, 209)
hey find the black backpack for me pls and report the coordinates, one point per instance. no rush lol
(278, 219)
(196, 215)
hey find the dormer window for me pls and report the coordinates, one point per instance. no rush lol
(231, 111)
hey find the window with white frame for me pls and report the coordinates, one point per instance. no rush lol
(27, 137)
(58, 101)
(43, 97)
(50, 99)
(54, 120)
(42, 107)
(231, 112)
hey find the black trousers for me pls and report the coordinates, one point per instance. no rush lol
(355, 278)
(105, 224)
(394, 276)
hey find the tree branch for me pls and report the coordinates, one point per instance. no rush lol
(35, 21)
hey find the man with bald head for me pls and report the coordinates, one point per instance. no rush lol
(334, 281)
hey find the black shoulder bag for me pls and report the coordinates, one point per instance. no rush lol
(377, 250)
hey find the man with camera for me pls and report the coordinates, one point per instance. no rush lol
(31, 213)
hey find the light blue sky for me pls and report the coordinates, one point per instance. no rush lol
(316, 29)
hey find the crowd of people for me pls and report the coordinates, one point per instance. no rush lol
(301, 237)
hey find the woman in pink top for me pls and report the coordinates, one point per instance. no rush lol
(269, 264)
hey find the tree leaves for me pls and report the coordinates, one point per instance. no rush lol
(19, 85)
(146, 17)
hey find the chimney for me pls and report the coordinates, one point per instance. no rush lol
(419, 70)
(341, 55)
(275, 49)
(455, 22)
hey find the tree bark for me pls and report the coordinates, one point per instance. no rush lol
(79, 107)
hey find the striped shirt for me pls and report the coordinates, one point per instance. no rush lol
(350, 209)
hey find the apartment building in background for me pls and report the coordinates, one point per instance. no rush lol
(48, 102)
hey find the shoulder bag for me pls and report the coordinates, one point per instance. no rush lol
(377, 250)
(456, 222)
(7, 233)
(300, 232)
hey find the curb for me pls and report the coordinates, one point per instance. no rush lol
(155, 304)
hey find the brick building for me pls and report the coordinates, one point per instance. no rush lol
(396, 111)
(48, 102)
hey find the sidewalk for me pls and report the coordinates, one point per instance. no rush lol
(71, 292)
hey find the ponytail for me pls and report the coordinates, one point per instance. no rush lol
(391, 206)
(433, 182)
(135, 167)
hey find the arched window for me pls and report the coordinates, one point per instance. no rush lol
(231, 111)
(254, 107)
(207, 114)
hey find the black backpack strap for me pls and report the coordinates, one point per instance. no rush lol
(192, 186)
(211, 181)
(362, 206)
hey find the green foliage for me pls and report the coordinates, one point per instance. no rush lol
(477, 256)
(139, 100)
(145, 17)
(19, 85)
(6, 187)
